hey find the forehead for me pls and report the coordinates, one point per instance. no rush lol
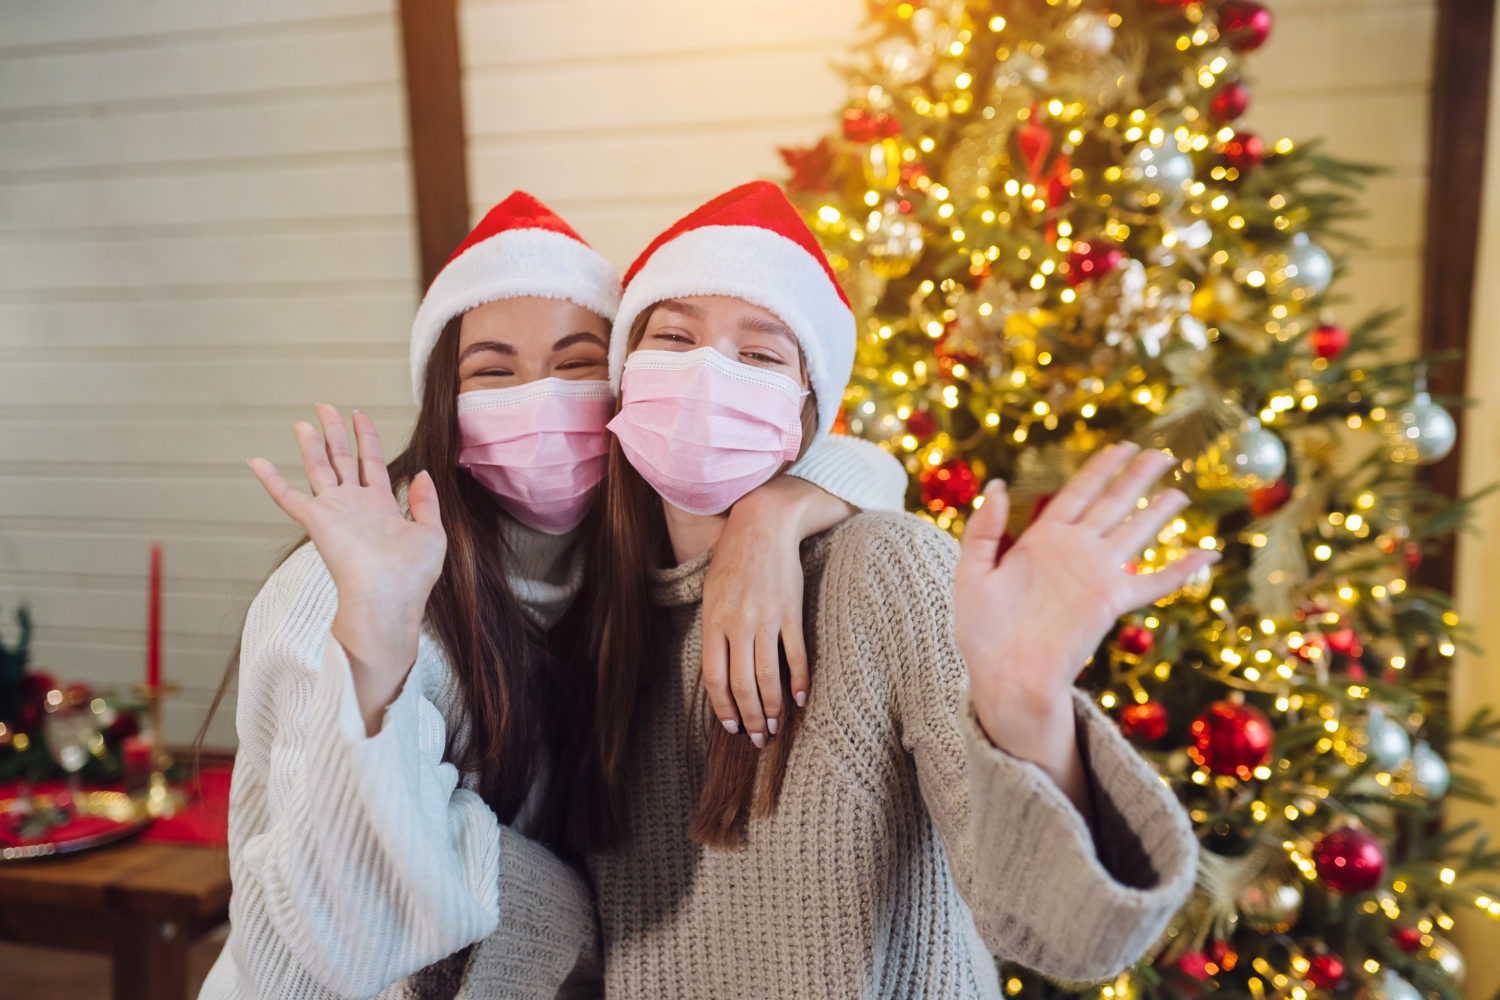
(528, 321)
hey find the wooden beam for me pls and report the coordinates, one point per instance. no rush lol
(1460, 117)
(435, 113)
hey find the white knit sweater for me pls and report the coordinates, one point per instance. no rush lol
(368, 866)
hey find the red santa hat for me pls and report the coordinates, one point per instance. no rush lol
(520, 248)
(750, 243)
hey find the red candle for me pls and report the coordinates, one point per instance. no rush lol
(153, 623)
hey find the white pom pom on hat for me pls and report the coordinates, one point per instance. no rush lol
(751, 244)
(520, 248)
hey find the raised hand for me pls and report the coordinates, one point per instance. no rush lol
(383, 564)
(1028, 621)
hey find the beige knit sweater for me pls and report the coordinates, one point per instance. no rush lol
(906, 847)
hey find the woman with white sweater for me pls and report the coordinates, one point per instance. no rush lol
(402, 722)
(945, 794)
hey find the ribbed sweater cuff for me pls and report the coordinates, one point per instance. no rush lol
(856, 471)
(1053, 864)
(549, 927)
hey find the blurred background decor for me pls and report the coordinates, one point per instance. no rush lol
(213, 214)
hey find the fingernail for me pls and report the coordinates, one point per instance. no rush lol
(772, 725)
(356, 411)
(994, 484)
(731, 725)
(800, 698)
(759, 739)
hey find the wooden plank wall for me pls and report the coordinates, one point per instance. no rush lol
(205, 225)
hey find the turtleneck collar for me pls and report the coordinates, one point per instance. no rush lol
(674, 586)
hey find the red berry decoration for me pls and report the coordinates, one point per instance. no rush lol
(1269, 499)
(1231, 739)
(1329, 340)
(1244, 151)
(1349, 859)
(1144, 722)
(1231, 102)
(921, 424)
(1408, 939)
(952, 484)
(861, 126)
(1090, 260)
(1135, 639)
(1244, 24)
(1325, 970)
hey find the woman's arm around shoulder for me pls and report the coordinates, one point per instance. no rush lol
(1045, 889)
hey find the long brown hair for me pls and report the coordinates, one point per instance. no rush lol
(627, 639)
(516, 706)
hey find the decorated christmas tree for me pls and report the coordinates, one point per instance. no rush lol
(1058, 235)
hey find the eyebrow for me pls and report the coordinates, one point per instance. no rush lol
(683, 308)
(582, 337)
(487, 345)
(760, 324)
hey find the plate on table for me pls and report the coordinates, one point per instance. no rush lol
(46, 824)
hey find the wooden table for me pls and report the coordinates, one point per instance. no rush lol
(143, 903)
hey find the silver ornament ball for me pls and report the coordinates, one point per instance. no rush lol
(1386, 741)
(893, 240)
(1449, 959)
(1308, 269)
(1388, 986)
(1160, 169)
(1255, 456)
(1429, 771)
(1089, 33)
(1422, 432)
(1270, 905)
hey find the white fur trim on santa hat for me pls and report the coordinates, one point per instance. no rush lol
(764, 269)
(506, 266)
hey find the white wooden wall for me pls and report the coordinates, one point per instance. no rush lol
(205, 225)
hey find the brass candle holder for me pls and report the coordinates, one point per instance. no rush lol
(160, 798)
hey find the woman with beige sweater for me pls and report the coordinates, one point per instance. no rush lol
(945, 794)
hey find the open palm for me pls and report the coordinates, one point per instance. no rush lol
(382, 563)
(1027, 621)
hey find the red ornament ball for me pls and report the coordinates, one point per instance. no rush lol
(1231, 739)
(1244, 151)
(1195, 964)
(1325, 970)
(1231, 102)
(1349, 859)
(1135, 639)
(921, 424)
(1344, 640)
(952, 484)
(1088, 260)
(1269, 499)
(1408, 939)
(1329, 340)
(1244, 24)
(1144, 722)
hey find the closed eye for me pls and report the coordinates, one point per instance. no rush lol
(493, 373)
(672, 336)
(762, 358)
(579, 363)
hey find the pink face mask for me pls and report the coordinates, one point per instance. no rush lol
(704, 430)
(539, 447)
